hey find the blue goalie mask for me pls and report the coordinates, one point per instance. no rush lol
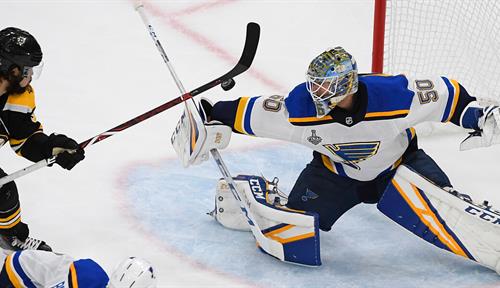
(332, 76)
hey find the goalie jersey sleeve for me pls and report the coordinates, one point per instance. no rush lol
(255, 116)
(437, 99)
(35, 268)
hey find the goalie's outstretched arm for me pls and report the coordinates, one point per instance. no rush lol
(440, 99)
(261, 116)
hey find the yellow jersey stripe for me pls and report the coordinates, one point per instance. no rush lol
(310, 119)
(11, 273)
(11, 224)
(11, 221)
(15, 142)
(11, 216)
(74, 280)
(413, 132)
(455, 99)
(291, 210)
(387, 113)
(328, 164)
(240, 115)
(24, 103)
(397, 163)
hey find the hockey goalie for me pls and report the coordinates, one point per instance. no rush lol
(360, 128)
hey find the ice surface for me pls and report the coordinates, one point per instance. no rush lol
(131, 197)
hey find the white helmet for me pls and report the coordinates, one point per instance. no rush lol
(133, 273)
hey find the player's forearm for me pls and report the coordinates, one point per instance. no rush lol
(33, 148)
(463, 111)
(225, 112)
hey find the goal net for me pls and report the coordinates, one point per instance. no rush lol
(459, 39)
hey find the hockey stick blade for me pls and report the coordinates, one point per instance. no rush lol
(249, 51)
(246, 59)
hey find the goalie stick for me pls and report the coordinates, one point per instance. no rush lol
(246, 59)
(270, 246)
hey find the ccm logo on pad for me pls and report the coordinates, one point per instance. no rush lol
(495, 219)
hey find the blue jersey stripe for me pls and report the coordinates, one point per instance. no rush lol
(451, 95)
(19, 269)
(340, 169)
(248, 114)
(409, 134)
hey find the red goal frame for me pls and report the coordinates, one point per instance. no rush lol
(378, 36)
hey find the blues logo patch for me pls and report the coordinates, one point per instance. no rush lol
(353, 153)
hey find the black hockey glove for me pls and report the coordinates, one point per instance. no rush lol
(205, 107)
(68, 153)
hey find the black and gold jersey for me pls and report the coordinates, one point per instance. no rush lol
(19, 126)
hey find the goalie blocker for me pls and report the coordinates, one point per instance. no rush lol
(446, 219)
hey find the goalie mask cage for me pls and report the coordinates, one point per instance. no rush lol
(459, 39)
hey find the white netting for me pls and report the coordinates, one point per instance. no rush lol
(455, 38)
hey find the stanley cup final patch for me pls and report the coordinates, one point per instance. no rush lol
(314, 139)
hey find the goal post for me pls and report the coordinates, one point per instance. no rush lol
(378, 36)
(455, 38)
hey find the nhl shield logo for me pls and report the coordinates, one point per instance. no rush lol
(349, 121)
(314, 139)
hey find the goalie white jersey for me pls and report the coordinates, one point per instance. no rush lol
(361, 144)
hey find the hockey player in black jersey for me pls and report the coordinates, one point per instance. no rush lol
(20, 62)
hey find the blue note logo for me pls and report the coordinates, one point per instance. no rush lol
(353, 153)
(309, 195)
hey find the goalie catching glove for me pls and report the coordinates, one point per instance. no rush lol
(487, 131)
(195, 135)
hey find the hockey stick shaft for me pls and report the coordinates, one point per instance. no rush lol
(270, 246)
(140, 9)
(251, 42)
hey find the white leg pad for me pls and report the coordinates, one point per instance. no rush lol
(227, 209)
(449, 221)
(296, 232)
